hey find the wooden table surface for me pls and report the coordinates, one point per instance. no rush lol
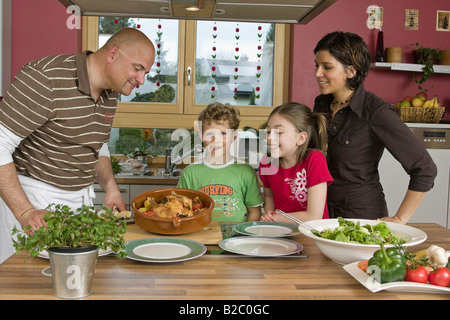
(214, 277)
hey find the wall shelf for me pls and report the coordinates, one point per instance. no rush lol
(408, 67)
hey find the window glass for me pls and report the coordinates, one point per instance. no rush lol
(151, 141)
(161, 83)
(234, 63)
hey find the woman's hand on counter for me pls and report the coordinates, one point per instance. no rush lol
(394, 219)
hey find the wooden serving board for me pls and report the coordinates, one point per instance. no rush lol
(209, 235)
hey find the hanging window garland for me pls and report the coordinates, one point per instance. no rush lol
(158, 53)
(214, 56)
(258, 66)
(236, 58)
(138, 26)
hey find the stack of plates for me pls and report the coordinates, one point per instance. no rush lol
(263, 239)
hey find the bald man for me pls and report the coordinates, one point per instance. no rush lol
(55, 122)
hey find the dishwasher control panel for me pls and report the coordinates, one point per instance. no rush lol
(433, 138)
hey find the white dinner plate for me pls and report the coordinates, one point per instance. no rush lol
(164, 249)
(267, 229)
(399, 286)
(260, 246)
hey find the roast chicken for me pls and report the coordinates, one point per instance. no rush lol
(173, 205)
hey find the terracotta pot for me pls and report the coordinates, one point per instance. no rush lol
(172, 226)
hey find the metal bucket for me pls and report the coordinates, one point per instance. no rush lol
(73, 271)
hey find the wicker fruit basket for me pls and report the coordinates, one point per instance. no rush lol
(420, 114)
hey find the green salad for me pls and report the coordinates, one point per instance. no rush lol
(353, 232)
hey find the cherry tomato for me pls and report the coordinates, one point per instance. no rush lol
(417, 275)
(440, 277)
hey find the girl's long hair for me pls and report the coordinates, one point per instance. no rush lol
(314, 124)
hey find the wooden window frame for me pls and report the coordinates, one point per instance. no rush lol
(183, 113)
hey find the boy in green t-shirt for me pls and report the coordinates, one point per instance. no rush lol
(233, 186)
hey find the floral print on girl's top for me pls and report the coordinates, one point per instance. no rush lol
(298, 188)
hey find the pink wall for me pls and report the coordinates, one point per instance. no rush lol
(350, 15)
(38, 30)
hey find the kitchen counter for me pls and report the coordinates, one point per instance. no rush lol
(214, 277)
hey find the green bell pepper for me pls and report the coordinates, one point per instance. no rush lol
(387, 265)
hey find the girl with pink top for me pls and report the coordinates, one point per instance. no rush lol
(296, 176)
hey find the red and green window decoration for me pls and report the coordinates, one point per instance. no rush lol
(214, 56)
(258, 67)
(158, 53)
(236, 61)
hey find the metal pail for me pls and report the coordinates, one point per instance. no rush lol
(73, 271)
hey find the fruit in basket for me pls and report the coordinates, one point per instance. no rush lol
(433, 103)
(404, 103)
(407, 98)
(422, 96)
(417, 102)
(428, 104)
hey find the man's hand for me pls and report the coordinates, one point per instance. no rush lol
(33, 218)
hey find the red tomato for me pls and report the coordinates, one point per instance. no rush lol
(417, 275)
(440, 277)
(150, 213)
(197, 203)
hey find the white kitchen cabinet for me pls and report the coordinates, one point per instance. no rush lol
(100, 195)
(434, 208)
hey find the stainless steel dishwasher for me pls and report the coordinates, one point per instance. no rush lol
(436, 206)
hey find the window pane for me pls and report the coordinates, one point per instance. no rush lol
(161, 83)
(152, 141)
(234, 63)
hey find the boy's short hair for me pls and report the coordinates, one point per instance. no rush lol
(220, 112)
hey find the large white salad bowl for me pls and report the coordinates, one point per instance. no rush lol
(344, 252)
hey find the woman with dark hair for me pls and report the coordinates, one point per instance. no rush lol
(361, 126)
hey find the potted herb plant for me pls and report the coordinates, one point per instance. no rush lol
(427, 57)
(72, 240)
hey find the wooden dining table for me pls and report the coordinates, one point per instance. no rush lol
(214, 276)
